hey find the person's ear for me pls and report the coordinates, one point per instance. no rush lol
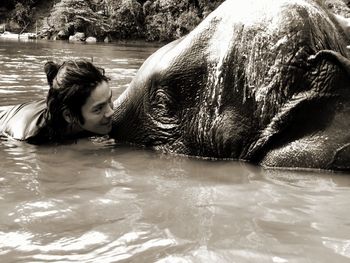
(67, 116)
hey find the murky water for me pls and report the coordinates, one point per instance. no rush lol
(97, 201)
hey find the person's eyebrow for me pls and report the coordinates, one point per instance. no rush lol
(103, 102)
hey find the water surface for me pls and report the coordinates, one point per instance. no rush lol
(100, 201)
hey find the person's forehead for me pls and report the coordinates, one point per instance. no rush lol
(100, 94)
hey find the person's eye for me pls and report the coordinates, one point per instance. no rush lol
(97, 110)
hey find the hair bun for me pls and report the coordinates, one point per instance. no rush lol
(51, 69)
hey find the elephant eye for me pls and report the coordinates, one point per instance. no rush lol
(160, 98)
(162, 106)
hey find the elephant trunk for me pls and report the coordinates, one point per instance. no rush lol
(127, 122)
(121, 109)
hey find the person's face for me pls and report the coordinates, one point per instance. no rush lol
(98, 109)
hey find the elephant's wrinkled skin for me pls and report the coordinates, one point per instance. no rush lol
(242, 86)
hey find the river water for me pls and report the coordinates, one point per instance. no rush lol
(99, 201)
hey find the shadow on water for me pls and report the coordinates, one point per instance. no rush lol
(100, 201)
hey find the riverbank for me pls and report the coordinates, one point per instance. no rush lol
(10, 35)
(109, 21)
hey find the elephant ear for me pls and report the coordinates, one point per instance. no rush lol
(332, 56)
(280, 122)
(299, 102)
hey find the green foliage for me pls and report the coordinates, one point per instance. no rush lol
(160, 27)
(21, 14)
(126, 19)
(77, 16)
(186, 22)
(69, 11)
(170, 19)
(153, 20)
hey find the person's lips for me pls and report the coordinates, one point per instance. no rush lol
(107, 123)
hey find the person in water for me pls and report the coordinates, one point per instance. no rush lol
(78, 104)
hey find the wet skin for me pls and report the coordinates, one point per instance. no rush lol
(98, 110)
(241, 86)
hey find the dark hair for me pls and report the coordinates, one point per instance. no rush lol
(71, 83)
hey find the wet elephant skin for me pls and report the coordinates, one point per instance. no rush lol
(259, 81)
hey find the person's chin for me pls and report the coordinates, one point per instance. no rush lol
(106, 129)
(109, 129)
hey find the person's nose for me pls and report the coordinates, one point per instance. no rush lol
(109, 111)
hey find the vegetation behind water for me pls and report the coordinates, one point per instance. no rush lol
(151, 20)
(110, 20)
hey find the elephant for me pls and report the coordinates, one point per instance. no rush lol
(266, 82)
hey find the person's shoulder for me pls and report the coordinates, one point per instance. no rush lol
(23, 120)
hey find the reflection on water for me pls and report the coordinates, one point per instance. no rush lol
(21, 65)
(98, 201)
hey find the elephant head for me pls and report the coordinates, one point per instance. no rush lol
(241, 86)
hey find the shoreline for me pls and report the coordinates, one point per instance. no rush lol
(132, 42)
(10, 35)
(7, 35)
